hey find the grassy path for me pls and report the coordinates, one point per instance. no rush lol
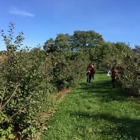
(95, 112)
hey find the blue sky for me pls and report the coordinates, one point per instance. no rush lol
(115, 20)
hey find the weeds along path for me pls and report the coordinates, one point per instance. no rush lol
(95, 112)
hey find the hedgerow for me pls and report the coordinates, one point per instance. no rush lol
(29, 79)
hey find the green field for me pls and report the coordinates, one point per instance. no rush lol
(95, 112)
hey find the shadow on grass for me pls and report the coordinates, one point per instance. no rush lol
(100, 71)
(103, 89)
(127, 127)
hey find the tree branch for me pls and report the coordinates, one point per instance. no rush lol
(10, 97)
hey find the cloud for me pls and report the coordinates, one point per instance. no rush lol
(20, 12)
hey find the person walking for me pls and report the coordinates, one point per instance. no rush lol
(114, 76)
(90, 73)
(92, 70)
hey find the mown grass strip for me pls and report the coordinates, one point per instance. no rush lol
(95, 112)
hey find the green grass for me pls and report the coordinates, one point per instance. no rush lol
(95, 112)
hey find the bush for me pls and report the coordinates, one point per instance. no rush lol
(22, 96)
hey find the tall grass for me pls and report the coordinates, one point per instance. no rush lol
(95, 112)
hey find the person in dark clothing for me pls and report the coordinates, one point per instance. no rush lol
(92, 70)
(114, 76)
(90, 73)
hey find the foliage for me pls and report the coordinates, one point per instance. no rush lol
(109, 53)
(22, 97)
(130, 73)
(67, 68)
(126, 61)
(86, 39)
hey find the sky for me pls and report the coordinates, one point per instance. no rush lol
(40, 20)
